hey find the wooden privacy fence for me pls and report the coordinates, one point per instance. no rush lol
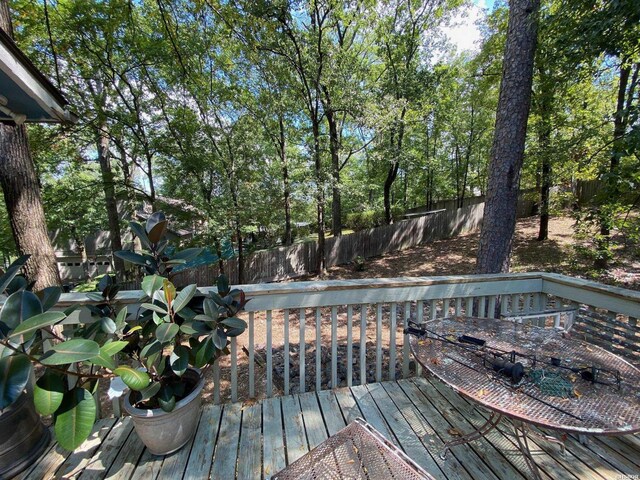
(300, 259)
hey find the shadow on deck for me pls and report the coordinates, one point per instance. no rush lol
(254, 441)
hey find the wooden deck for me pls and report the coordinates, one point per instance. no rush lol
(256, 441)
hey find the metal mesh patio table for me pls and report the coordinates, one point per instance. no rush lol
(501, 366)
(358, 451)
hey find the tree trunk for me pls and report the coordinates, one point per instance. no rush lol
(111, 204)
(321, 261)
(21, 189)
(612, 189)
(334, 149)
(507, 150)
(544, 138)
(282, 147)
(392, 173)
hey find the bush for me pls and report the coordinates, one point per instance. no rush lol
(365, 219)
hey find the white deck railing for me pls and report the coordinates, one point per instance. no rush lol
(360, 322)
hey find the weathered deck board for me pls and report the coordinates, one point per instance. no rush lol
(258, 440)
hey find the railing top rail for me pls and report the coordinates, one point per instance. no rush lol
(372, 290)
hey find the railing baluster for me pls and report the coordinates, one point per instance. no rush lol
(420, 321)
(302, 347)
(252, 382)
(468, 307)
(405, 341)
(433, 309)
(392, 341)
(482, 304)
(504, 304)
(349, 345)
(318, 349)
(491, 309)
(216, 381)
(269, 356)
(515, 303)
(334, 347)
(234, 369)
(458, 306)
(286, 352)
(379, 343)
(363, 343)
(446, 303)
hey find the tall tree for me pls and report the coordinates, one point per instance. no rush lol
(507, 152)
(21, 190)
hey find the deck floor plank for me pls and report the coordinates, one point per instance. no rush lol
(108, 451)
(348, 404)
(148, 467)
(296, 440)
(447, 420)
(425, 421)
(274, 458)
(548, 466)
(258, 440)
(313, 422)
(251, 442)
(81, 456)
(331, 412)
(226, 454)
(407, 438)
(125, 463)
(371, 412)
(204, 442)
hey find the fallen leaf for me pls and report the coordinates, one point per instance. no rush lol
(577, 393)
(481, 393)
(454, 432)
(435, 361)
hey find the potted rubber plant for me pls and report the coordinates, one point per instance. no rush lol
(69, 364)
(23, 436)
(179, 335)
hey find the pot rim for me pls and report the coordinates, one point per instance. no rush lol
(158, 412)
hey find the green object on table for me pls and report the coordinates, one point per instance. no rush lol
(552, 383)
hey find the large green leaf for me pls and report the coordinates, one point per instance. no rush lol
(150, 391)
(187, 254)
(151, 284)
(166, 398)
(167, 332)
(179, 359)
(107, 351)
(27, 328)
(134, 379)
(107, 325)
(48, 393)
(183, 298)
(131, 257)
(219, 338)
(14, 376)
(151, 349)
(210, 309)
(49, 296)
(112, 348)
(154, 308)
(139, 232)
(156, 226)
(19, 307)
(234, 322)
(12, 271)
(75, 418)
(71, 351)
(204, 353)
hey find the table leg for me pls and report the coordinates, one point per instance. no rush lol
(481, 431)
(521, 432)
(547, 438)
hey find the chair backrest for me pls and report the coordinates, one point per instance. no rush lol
(557, 318)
